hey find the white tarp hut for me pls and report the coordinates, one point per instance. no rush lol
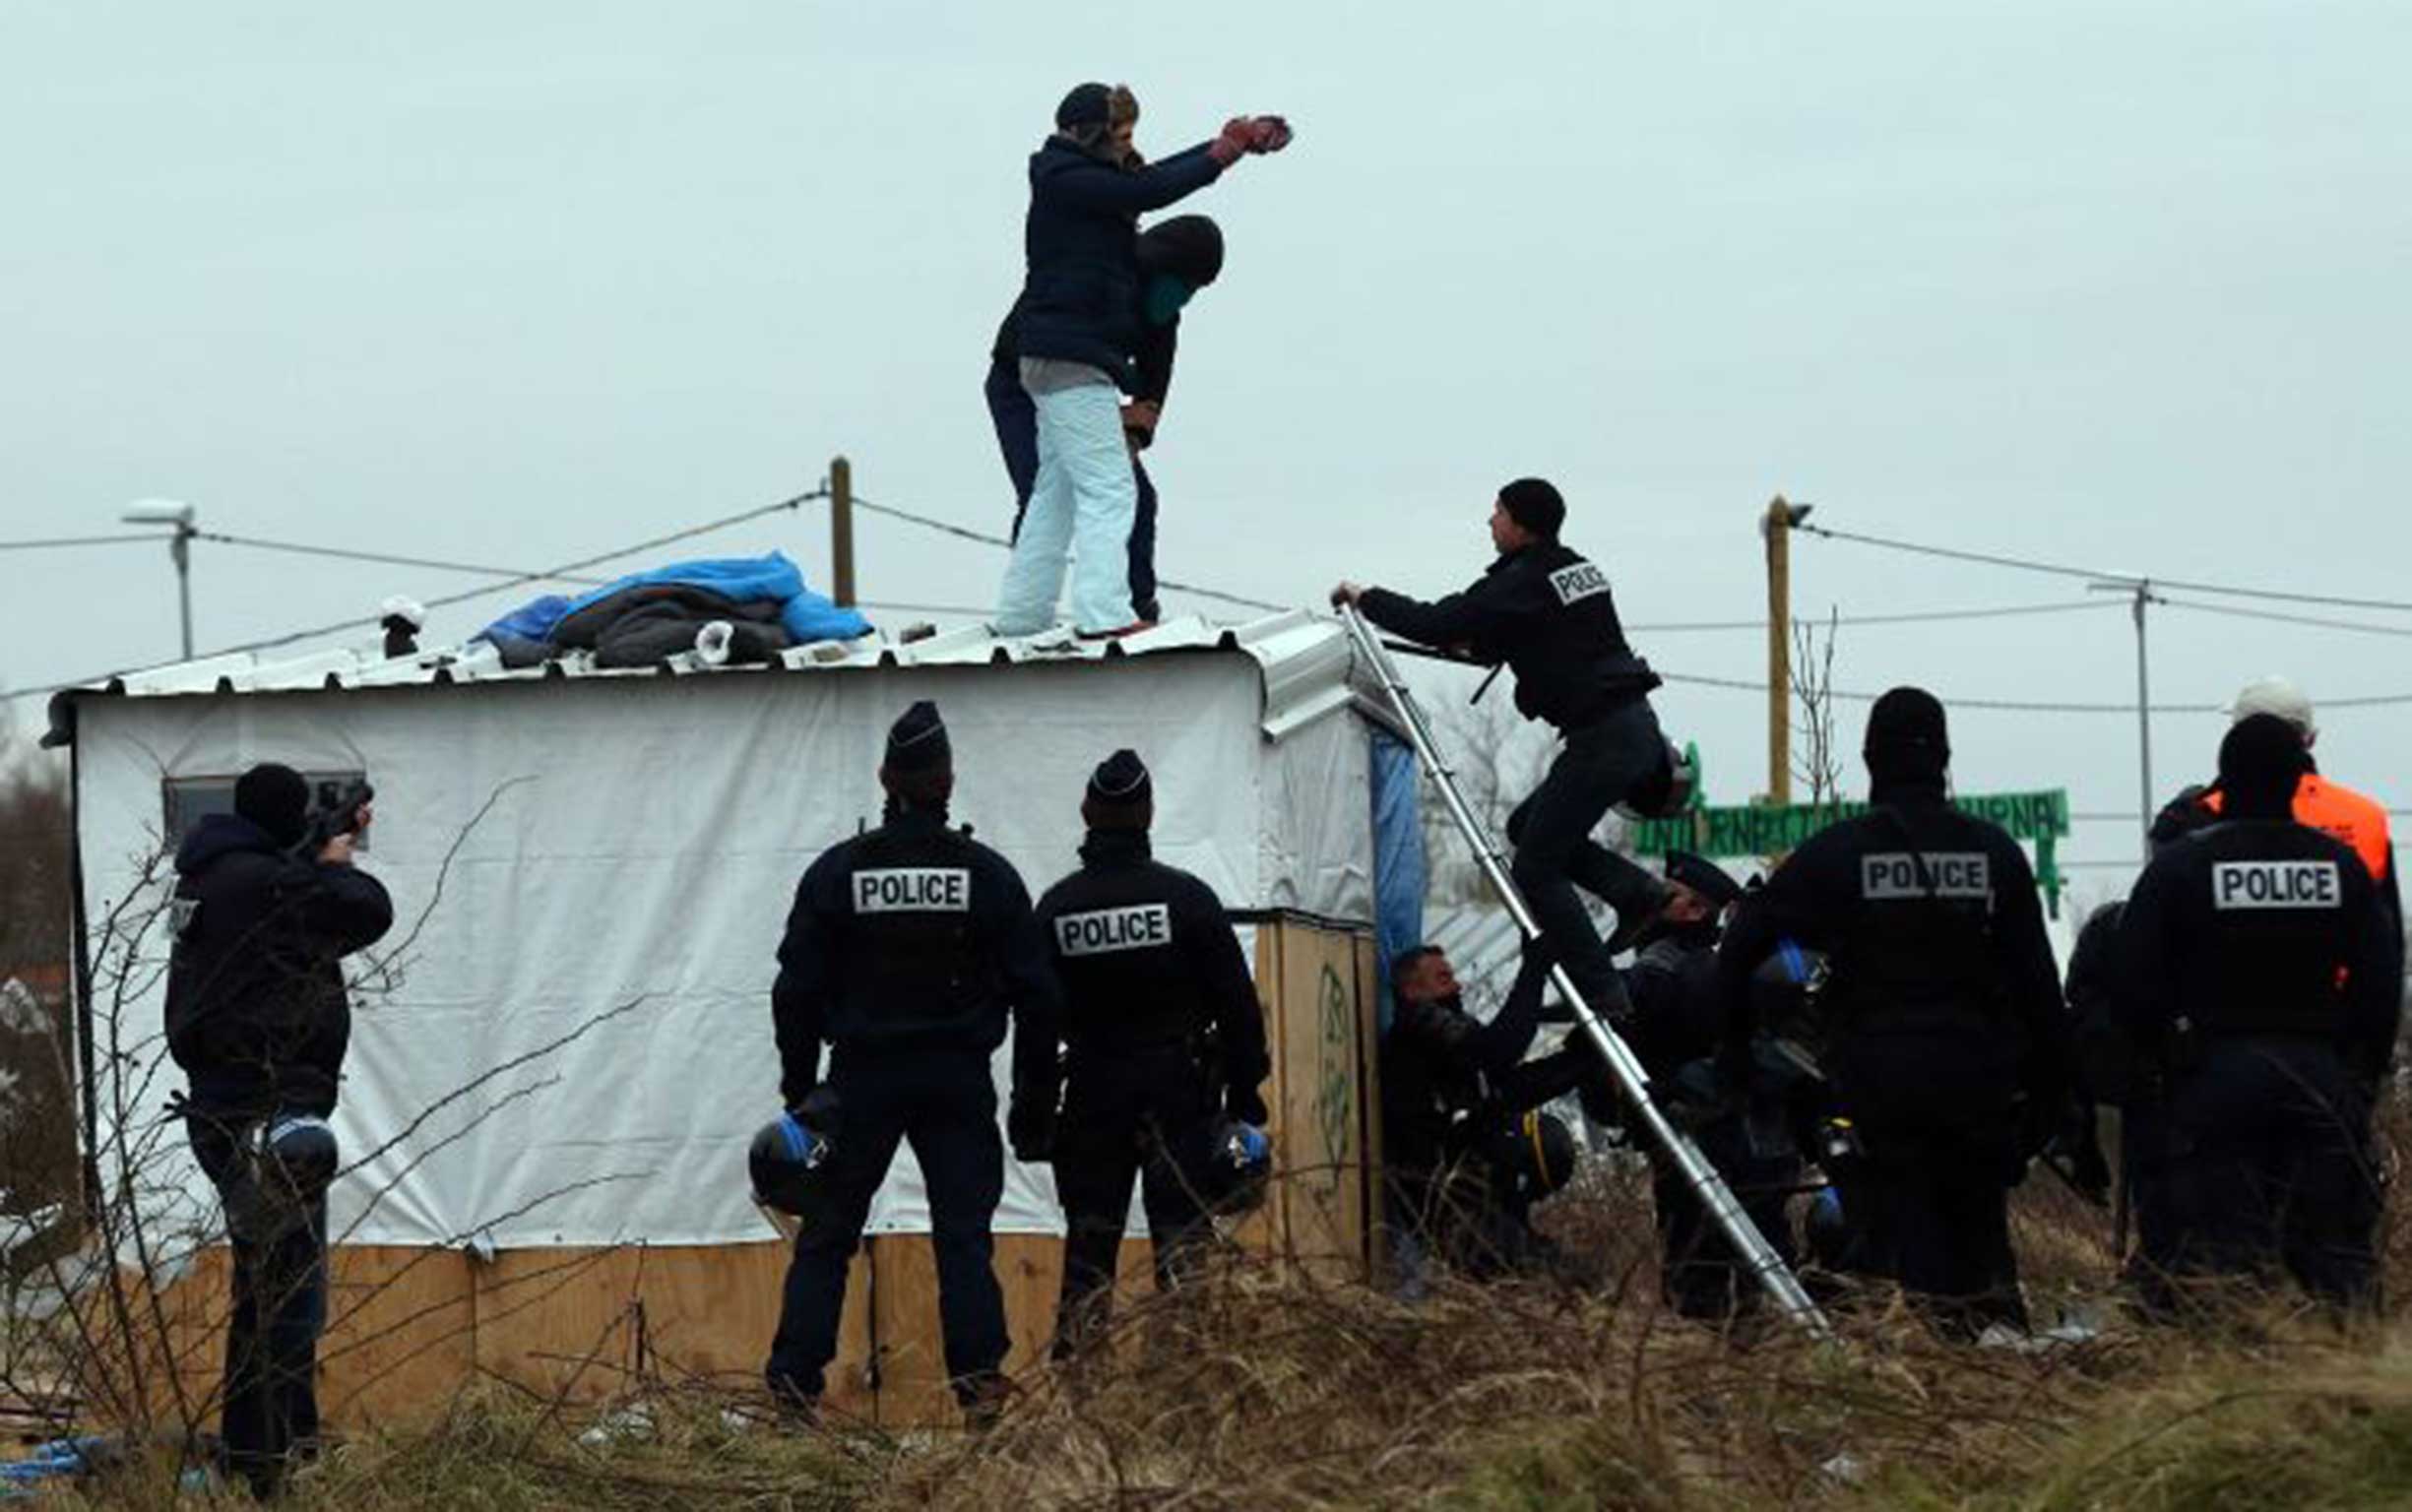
(601, 862)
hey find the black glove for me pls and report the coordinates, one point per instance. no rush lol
(1243, 1104)
(1030, 1128)
(817, 1110)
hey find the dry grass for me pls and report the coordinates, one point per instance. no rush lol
(1248, 1393)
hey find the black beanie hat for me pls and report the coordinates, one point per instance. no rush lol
(1906, 737)
(1534, 504)
(1121, 780)
(2261, 762)
(276, 798)
(1087, 106)
(916, 742)
(1188, 247)
(1702, 876)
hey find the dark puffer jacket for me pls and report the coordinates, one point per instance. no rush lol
(1080, 293)
(257, 1014)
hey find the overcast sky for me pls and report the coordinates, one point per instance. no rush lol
(2113, 283)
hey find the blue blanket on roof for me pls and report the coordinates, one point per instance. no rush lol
(805, 614)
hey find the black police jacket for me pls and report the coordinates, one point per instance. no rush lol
(1444, 1072)
(1149, 964)
(2259, 928)
(257, 1015)
(913, 938)
(1930, 921)
(1545, 612)
(1080, 290)
(1672, 986)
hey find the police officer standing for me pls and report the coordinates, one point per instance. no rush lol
(2259, 988)
(1945, 1037)
(2331, 807)
(1166, 1038)
(907, 950)
(258, 1021)
(1547, 613)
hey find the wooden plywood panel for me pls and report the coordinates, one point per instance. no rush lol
(1030, 1269)
(168, 1354)
(1319, 1142)
(1262, 1231)
(1370, 1099)
(908, 1351)
(579, 1322)
(401, 1334)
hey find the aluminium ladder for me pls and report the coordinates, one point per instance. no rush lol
(1767, 1267)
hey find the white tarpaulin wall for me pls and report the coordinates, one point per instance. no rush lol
(641, 850)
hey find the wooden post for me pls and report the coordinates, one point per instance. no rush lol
(1776, 527)
(842, 531)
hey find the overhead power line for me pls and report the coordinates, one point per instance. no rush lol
(2277, 616)
(2091, 574)
(1913, 617)
(560, 572)
(61, 541)
(387, 559)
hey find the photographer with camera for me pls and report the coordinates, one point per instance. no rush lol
(268, 902)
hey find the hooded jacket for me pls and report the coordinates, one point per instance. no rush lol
(257, 1014)
(1081, 284)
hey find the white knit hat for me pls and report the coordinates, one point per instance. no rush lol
(2274, 695)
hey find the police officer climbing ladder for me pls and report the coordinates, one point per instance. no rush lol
(1758, 1257)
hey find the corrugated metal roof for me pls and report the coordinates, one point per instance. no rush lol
(1304, 660)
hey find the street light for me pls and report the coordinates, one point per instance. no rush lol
(2142, 597)
(171, 511)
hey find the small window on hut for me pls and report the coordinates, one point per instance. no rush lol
(186, 800)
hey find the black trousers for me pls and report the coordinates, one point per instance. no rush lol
(1147, 1118)
(1017, 436)
(1597, 766)
(268, 1411)
(2259, 1165)
(1700, 1274)
(1928, 1203)
(945, 1106)
(1462, 1217)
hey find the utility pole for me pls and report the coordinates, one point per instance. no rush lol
(842, 531)
(1776, 527)
(2141, 596)
(171, 513)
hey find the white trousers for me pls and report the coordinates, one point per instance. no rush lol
(1084, 501)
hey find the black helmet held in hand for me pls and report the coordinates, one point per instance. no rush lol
(789, 1153)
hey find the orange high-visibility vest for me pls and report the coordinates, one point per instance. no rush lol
(2337, 810)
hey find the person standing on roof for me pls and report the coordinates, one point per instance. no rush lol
(1177, 258)
(1167, 1044)
(1545, 611)
(2258, 987)
(1077, 337)
(2332, 808)
(909, 951)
